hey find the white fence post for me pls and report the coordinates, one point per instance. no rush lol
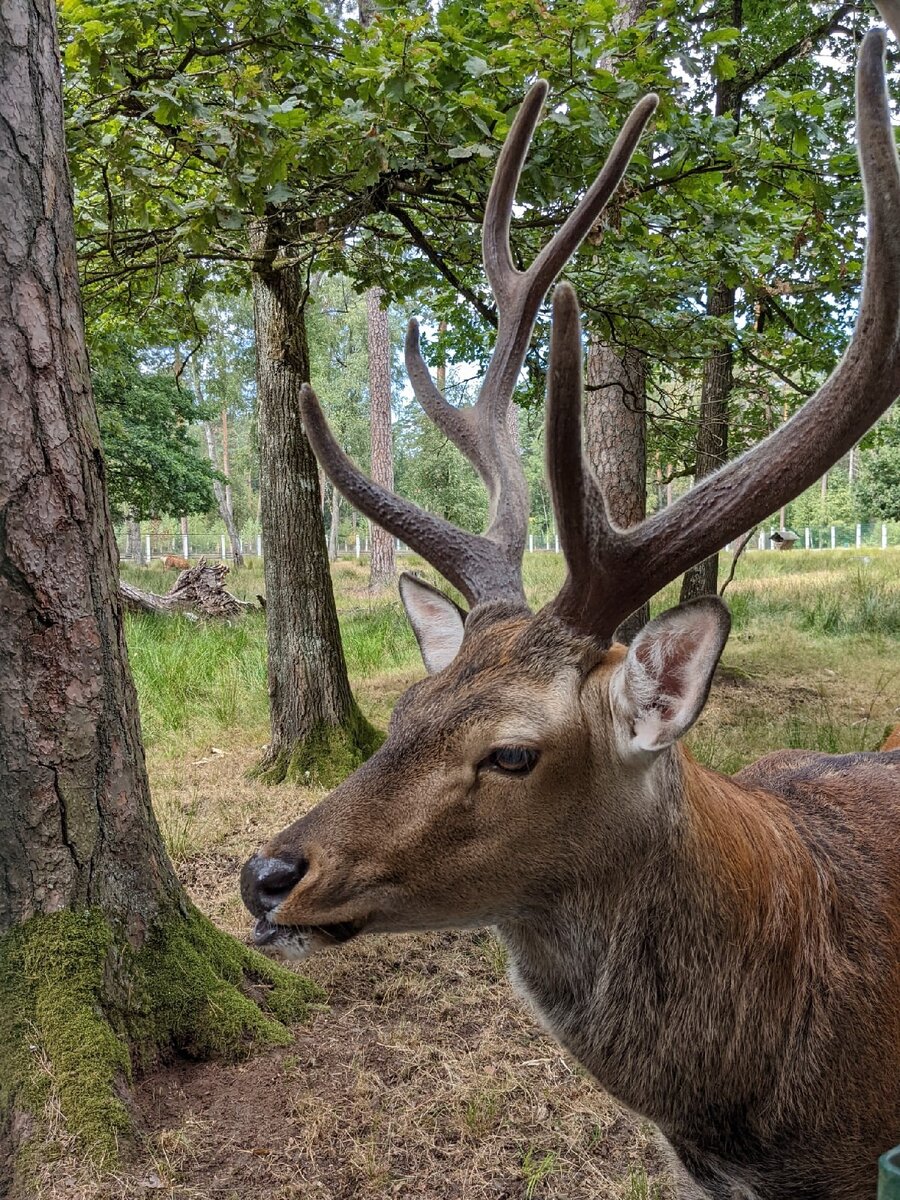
(185, 545)
(858, 535)
(883, 536)
(531, 543)
(222, 544)
(147, 544)
(833, 537)
(762, 539)
(259, 545)
(807, 540)
(357, 545)
(556, 542)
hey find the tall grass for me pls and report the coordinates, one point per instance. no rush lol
(198, 681)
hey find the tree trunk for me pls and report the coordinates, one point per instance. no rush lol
(335, 527)
(92, 918)
(221, 492)
(383, 566)
(718, 369)
(134, 547)
(615, 414)
(712, 435)
(222, 500)
(226, 463)
(615, 426)
(317, 729)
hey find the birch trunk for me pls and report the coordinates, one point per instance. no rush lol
(383, 567)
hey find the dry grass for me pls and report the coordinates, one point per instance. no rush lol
(425, 1077)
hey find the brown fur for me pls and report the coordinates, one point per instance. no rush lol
(893, 739)
(722, 954)
(174, 562)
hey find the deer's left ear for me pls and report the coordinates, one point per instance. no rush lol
(437, 622)
(660, 689)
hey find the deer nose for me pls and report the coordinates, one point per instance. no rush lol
(265, 882)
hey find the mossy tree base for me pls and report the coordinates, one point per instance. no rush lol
(80, 1010)
(326, 756)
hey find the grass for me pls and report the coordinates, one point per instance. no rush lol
(813, 638)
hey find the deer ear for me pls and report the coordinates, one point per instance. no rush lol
(437, 622)
(662, 686)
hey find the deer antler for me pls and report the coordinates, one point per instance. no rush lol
(613, 571)
(488, 566)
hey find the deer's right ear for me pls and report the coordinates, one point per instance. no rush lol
(437, 622)
(663, 683)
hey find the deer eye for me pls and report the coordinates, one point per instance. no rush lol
(512, 760)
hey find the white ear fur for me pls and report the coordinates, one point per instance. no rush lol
(437, 622)
(662, 685)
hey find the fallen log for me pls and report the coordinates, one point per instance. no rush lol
(198, 591)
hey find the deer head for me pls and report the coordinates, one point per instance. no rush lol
(535, 747)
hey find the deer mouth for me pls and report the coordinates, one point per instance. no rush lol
(300, 941)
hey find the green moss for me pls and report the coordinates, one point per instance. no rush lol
(326, 756)
(78, 1005)
(53, 1034)
(204, 993)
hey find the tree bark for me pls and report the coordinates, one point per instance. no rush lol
(615, 414)
(335, 526)
(317, 729)
(615, 425)
(75, 822)
(134, 547)
(220, 490)
(222, 500)
(383, 566)
(92, 918)
(712, 435)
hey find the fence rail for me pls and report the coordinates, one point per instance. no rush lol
(876, 535)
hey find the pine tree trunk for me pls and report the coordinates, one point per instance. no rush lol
(93, 921)
(615, 415)
(615, 425)
(317, 730)
(712, 435)
(718, 370)
(134, 546)
(383, 565)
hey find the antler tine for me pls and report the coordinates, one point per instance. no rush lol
(468, 561)
(455, 423)
(636, 563)
(498, 264)
(587, 535)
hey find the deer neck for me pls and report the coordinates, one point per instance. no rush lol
(654, 973)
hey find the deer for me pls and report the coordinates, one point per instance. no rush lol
(721, 953)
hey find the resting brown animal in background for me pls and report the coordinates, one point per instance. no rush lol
(174, 562)
(722, 954)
